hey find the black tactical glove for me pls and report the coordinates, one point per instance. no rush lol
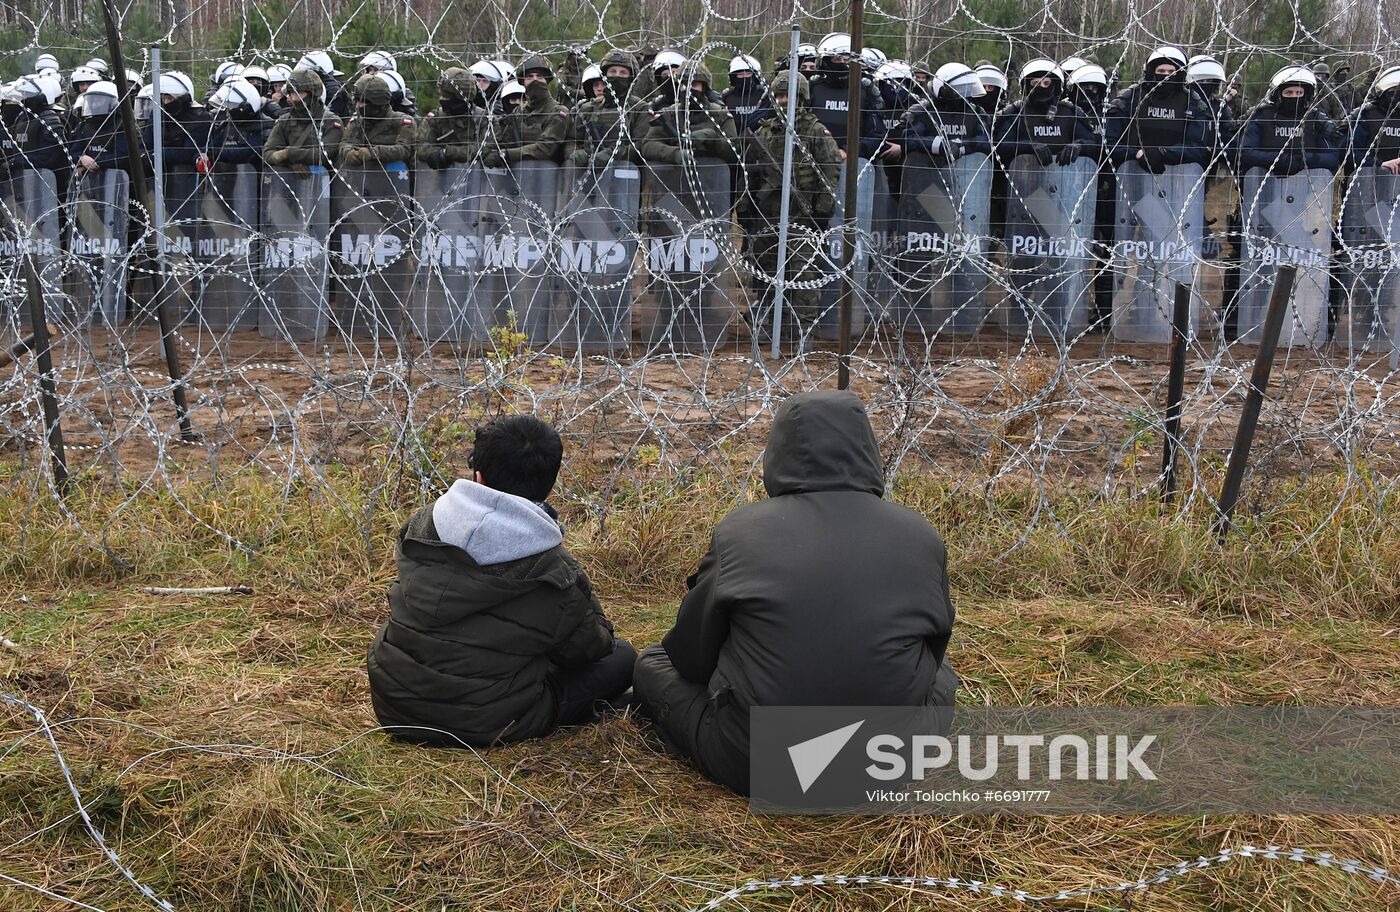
(435, 159)
(1069, 152)
(1043, 153)
(1152, 160)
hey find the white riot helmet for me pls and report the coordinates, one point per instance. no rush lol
(225, 71)
(512, 89)
(144, 100)
(396, 83)
(666, 59)
(894, 71)
(488, 70)
(255, 72)
(45, 62)
(84, 74)
(872, 58)
(591, 73)
(1296, 74)
(1205, 68)
(9, 92)
(98, 64)
(1165, 54)
(236, 94)
(1386, 80)
(278, 73)
(1089, 74)
(958, 78)
(806, 52)
(380, 60)
(1070, 64)
(176, 84)
(1037, 69)
(836, 44)
(100, 100)
(37, 85)
(506, 67)
(991, 76)
(319, 62)
(744, 62)
(133, 78)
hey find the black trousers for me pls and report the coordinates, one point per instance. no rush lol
(578, 691)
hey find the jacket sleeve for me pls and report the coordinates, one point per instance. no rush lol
(1324, 149)
(1247, 148)
(1085, 135)
(660, 145)
(1198, 144)
(917, 126)
(723, 142)
(702, 625)
(1008, 138)
(50, 152)
(1120, 117)
(550, 145)
(589, 637)
(1359, 151)
(977, 139)
(323, 153)
(401, 151)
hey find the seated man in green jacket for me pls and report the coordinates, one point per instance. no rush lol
(494, 633)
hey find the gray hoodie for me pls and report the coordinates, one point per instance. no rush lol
(492, 526)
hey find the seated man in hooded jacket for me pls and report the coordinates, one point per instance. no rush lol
(494, 633)
(822, 595)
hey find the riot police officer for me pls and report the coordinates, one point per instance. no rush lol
(747, 97)
(377, 134)
(829, 101)
(237, 127)
(36, 130)
(1375, 127)
(1158, 122)
(308, 135)
(99, 142)
(612, 125)
(1043, 123)
(539, 128)
(452, 134)
(949, 125)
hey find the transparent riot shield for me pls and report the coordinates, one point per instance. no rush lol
(829, 323)
(372, 239)
(940, 253)
(1049, 236)
(524, 283)
(448, 290)
(687, 231)
(884, 228)
(296, 218)
(1157, 244)
(1287, 220)
(227, 250)
(597, 247)
(30, 225)
(97, 242)
(179, 279)
(1371, 256)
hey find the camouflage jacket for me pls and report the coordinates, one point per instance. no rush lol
(705, 129)
(604, 132)
(310, 135)
(534, 132)
(458, 136)
(816, 167)
(391, 138)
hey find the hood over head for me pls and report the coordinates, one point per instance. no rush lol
(493, 527)
(822, 441)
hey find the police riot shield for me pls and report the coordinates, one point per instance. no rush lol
(179, 280)
(30, 225)
(1371, 256)
(884, 227)
(1287, 221)
(97, 241)
(940, 254)
(687, 230)
(448, 295)
(1156, 244)
(1049, 232)
(227, 250)
(597, 247)
(829, 322)
(371, 242)
(296, 217)
(519, 233)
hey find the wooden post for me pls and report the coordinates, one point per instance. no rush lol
(1176, 386)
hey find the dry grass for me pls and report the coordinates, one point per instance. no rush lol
(1101, 603)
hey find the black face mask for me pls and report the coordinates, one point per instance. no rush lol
(177, 107)
(742, 83)
(666, 88)
(454, 106)
(700, 98)
(989, 101)
(1091, 96)
(1291, 107)
(9, 113)
(618, 87)
(1041, 96)
(837, 74)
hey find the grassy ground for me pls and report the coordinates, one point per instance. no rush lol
(222, 741)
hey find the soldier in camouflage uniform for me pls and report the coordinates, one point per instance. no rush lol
(377, 134)
(308, 134)
(816, 163)
(536, 131)
(610, 128)
(452, 135)
(693, 127)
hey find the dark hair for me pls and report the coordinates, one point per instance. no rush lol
(518, 454)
